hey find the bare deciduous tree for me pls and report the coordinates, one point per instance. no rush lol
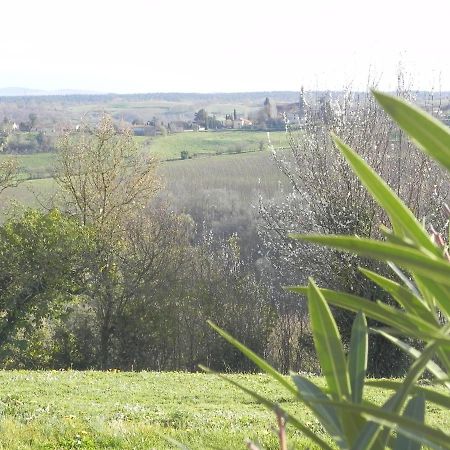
(8, 167)
(8, 174)
(107, 182)
(103, 174)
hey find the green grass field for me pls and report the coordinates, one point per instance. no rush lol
(210, 143)
(98, 410)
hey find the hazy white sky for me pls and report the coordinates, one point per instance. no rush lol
(211, 46)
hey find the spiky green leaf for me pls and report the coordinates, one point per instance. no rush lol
(414, 353)
(403, 296)
(328, 344)
(429, 394)
(432, 136)
(415, 409)
(393, 317)
(263, 365)
(411, 428)
(357, 357)
(403, 220)
(309, 394)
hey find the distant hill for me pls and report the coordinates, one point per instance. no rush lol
(11, 94)
(26, 92)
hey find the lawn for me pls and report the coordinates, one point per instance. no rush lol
(98, 410)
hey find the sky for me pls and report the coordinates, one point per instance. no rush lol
(222, 46)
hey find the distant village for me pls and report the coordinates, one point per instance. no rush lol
(31, 135)
(270, 116)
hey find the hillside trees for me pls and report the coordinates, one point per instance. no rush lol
(106, 183)
(149, 283)
(41, 267)
(138, 285)
(164, 327)
(154, 301)
(222, 286)
(121, 279)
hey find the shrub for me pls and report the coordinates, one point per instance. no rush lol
(422, 314)
(327, 197)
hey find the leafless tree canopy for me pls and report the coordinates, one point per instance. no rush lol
(326, 196)
(103, 174)
(8, 167)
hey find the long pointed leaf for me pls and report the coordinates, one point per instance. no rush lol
(434, 293)
(428, 265)
(369, 437)
(415, 371)
(328, 344)
(326, 414)
(415, 320)
(403, 220)
(408, 283)
(330, 353)
(415, 409)
(414, 353)
(276, 408)
(357, 358)
(396, 239)
(429, 394)
(403, 296)
(436, 439)
(371, 433)
(444, 357)
(429, 134)
(391, 317)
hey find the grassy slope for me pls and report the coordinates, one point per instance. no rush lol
(94, 410)
(168, 147)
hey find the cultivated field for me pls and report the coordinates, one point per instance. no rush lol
(98, 410)
(246, 175)
(242, 175)
(197, 144)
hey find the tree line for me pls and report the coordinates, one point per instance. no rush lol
(112, 277)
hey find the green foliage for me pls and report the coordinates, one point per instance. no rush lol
(143, 306)
(423, 313)
(41, 267)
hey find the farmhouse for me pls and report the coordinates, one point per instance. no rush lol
(237, 123)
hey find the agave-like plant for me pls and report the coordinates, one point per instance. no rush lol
(421, 264)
